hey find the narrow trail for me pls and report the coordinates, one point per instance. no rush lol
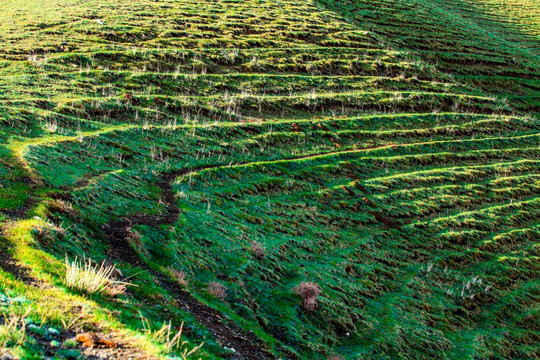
(118, 231)
(10, 265)
(247, 346)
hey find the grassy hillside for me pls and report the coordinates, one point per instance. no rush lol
(223, 153)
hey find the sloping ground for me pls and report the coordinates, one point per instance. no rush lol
(386, 150)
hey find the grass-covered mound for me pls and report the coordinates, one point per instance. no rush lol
(288, 179)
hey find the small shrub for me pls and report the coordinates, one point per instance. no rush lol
(114, 290)
(308, 292)
(258, 250)
(85, 276)
(135, 240)
(336, 357)
(63, 207)
(179, 276)
(47, 232)
(217, 290)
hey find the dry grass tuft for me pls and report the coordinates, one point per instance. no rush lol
(309, 293)
(179, 276)
(336, 357)
(12, 331)
(258, 250)
(217, 290)
(90, 278)
(169, 338)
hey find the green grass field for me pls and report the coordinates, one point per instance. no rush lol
(220, 153)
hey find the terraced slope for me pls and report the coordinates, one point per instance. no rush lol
(490, 45)
(385, 150)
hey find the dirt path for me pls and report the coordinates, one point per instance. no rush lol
(227, 333)
(246, 346)
(10, 265)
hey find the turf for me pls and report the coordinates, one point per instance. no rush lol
(387, 150)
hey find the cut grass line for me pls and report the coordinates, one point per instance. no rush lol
(451, 169)
(254, 96)
(438, 221)
(345, 152)
(18, 149)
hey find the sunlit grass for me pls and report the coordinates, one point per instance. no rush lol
(88, 277)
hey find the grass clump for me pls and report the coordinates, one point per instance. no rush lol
(258, 250)
(169, 338)
(90, 278)
(309, 293)
(336, 357)
(217, 290)
(12, 332)
(179, 276)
